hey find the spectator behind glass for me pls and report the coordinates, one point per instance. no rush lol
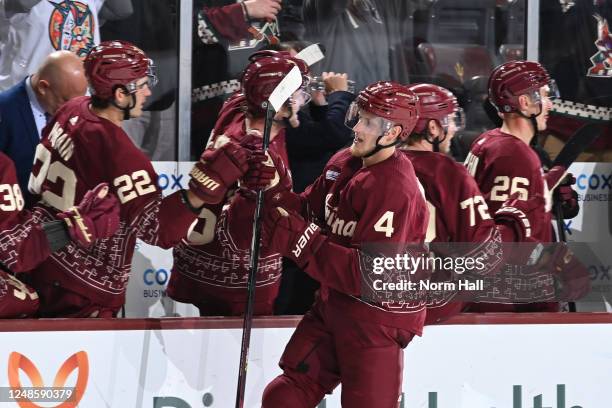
(37, 28)
(364, 38)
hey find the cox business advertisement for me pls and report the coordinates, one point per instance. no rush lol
(480, 366)
(594, 225)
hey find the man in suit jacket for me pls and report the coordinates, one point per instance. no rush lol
(26, 107)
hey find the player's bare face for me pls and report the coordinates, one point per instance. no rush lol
(546, 107)
(366, 132)
(140, 96)
(540, 105)
(450, 133)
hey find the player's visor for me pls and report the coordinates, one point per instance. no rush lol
(551, 91)
(454, 121)
(369, 122)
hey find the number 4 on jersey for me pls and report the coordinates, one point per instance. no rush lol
(385, 224)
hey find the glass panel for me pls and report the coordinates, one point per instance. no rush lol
(579, 58)
(451, 43)
(153, 27)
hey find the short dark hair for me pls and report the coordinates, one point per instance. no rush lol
(99, 103)
(415, 137)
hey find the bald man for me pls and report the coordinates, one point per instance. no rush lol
(26, 108)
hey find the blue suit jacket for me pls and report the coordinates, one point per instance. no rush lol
(18, 133)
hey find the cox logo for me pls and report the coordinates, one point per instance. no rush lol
(171, 181)
(594, 181)
(153, 276)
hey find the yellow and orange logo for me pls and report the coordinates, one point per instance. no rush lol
(78, 360)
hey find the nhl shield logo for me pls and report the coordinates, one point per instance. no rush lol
(72, 27)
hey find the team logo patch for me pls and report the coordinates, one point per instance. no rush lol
(72, 27)
(602, 60)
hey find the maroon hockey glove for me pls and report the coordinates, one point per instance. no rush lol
(516, 214)
(270, 173)
(287, 233)
(217, 170)
(96, 216)
(267, 171)
(262, 172)
(572, 278)
(567, 196)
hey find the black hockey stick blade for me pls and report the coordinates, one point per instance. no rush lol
(578, 144)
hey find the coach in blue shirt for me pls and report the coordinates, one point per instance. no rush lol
(27, 107)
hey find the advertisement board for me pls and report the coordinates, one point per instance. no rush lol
(455, 366)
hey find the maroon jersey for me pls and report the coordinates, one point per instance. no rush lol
(23, 244)
(379, 204)
(503, 165)
(211, 265)
(457, 213)
(457, 209)
(17, 300)
(78, 151)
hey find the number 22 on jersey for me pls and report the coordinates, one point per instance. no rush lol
(60, 191)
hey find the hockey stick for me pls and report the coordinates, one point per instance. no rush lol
(279, 96)
(578, 144)
(570, 152)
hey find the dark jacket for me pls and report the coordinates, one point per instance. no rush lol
(18, 133)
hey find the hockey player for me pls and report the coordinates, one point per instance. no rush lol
(211, 265)
(368, 193)
(440, 118)
(83, 146)
(457, 209)
(96, 217)
(503, 163)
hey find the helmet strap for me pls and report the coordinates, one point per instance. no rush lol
(125, 110)
(534, 124)
(379, 147)
(434, 141)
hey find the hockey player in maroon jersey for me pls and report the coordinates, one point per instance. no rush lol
(368, 193)
(502, 161)
(211, 265)
(97, 216)
(83, 146)
(457, 209)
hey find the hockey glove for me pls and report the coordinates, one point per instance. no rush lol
(217, 170)
(517, 214)
(567, 196)
(271, 174)
(96, 216)
(572, 278)
(287, 233)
